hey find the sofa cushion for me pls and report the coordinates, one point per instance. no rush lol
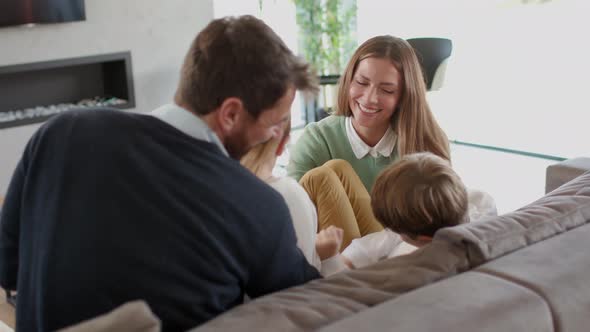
(563, 209)
(557, 269)
(324, 301)
(134, 316)
(468, 302)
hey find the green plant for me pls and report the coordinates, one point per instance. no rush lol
(327, 32)
(327, 38)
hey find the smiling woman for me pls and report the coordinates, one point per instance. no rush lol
(382, 115)
(374, 95)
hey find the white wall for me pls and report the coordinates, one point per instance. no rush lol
(158, 34)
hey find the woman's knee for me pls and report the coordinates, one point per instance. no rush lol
(340, 167)
(318, 177)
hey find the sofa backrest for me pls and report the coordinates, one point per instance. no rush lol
(321, 302)
(561, 210)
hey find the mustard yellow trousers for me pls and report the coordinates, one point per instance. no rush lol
(341, 200)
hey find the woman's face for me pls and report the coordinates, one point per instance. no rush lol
(375, 91)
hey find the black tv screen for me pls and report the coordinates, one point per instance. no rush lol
(19, 12)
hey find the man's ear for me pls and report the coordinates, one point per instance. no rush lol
(229, 114)
(282, 145)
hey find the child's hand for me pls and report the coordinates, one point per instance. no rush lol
(328, 242)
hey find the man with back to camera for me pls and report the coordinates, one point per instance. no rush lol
(108, 206)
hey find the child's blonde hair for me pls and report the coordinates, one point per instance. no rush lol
(418, 195)
(259, 155)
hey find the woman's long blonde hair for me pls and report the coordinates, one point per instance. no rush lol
(413, 122)
(262, 153)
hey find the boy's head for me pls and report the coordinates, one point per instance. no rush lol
(419, 195)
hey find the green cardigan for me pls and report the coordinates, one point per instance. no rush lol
(325, 140)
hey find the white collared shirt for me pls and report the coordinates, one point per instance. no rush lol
(188, 123)
(360, 148)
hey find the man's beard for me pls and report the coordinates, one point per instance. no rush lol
(237, 145)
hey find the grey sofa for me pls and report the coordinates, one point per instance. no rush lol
(528, 270)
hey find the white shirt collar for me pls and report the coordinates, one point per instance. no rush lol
(188, 123)
(361, 149)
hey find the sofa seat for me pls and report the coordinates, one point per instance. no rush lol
(471, 301)
(558, 270)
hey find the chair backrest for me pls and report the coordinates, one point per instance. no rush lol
(432, 52)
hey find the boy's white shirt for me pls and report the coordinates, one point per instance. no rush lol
(332, 265)
(481, 204)
(374, 247)
(367, 250)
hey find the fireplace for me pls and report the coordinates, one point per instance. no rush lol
(33, 92)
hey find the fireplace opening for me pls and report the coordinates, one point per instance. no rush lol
(33, 92)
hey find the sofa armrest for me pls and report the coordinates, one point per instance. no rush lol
(565, 171)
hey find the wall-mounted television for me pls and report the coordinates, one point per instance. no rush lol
(24, 12)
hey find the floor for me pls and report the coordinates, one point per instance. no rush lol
(7, 318)
(513, 180)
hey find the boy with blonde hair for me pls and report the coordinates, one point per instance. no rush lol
(419, 195)
(412, 198)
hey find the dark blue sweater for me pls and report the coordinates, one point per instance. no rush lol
(107, 207)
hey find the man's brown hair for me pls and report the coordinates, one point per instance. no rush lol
(239, 57)
(418, 195)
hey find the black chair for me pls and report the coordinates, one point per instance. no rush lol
(432, 52)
